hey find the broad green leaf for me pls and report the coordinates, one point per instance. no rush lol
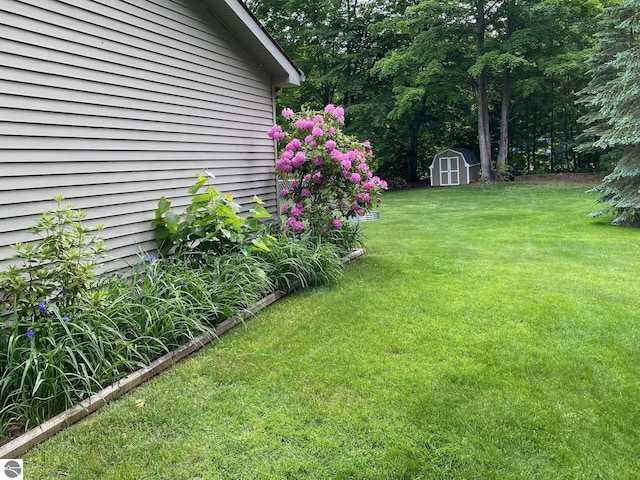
(162, 232)
(260, 245)
(193, 189)
(260, 212)
(163, 206)
(172, 218)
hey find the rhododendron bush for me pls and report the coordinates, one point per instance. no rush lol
(326, 172)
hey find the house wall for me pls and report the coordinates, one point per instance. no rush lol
(115, 103)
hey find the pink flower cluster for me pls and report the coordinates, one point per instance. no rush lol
(294, 221)
(276, 133)
(337, 112)
(327, 172)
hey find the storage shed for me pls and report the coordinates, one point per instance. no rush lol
(454, 166)
(114, 103)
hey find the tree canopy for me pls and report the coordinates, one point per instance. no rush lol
(417, 76)
(613, 95)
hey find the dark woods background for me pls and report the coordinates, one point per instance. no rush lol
(415, 77)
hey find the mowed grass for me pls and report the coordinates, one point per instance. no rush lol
(491, 332)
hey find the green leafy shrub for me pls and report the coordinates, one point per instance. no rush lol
(210, 224)
(508, 173)
(56, 272)
(54, 353)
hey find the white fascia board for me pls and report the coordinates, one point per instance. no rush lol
(250, 33)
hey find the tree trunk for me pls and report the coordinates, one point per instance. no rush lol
(527, 142)
(534, 138)
(412, 152)
(551, 148)
(482, 100)
(488, 174)
(503, 148)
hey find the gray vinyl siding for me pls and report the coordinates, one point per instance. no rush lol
(115, 103)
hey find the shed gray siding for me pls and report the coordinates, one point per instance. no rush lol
(115, 103)
(454, 167)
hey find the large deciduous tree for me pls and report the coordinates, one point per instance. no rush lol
(501, 52)
(614, 96)
(482, 96)
(526, 40)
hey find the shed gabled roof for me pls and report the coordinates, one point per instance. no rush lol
(468, 155)
(250, 33)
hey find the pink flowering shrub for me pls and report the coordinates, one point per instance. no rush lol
(327, 173)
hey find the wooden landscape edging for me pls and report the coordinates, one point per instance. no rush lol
(20, 445)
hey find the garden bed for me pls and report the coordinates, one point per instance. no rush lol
(20, 443)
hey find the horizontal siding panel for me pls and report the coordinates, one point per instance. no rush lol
(44, 191)
(101, 128)
(165, 26)
(91, 20)
(25, 69)
(11, 129)
(136, 158)
(49, 98)
(17, 108)
(28, 190)
(214, 114)
(242, 166)
(59, 143)
(69, 53)
(187, 20)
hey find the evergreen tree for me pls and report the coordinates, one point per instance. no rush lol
(614, 96)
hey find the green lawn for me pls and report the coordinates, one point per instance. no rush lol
(489, 333)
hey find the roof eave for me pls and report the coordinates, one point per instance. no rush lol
(249, 32)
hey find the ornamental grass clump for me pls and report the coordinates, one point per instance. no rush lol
(325, 172)
(169, 301)
(61, 359)
(300, 262)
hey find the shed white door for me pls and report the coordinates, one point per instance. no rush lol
(449, 171)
